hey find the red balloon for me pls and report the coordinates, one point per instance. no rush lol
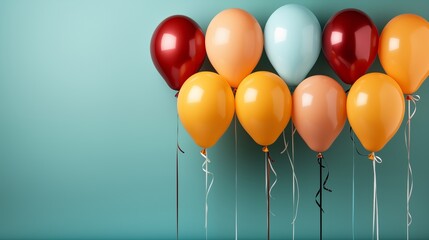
(350, 44)
(177, 49)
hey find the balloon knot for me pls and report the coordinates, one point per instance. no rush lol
(265, 149)
(234, 90)
(204, 152)
(371, 156)
(414, 98)
(177, 94)
(319, 155)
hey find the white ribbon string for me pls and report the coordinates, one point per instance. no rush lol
(236, 177)
(407, 132)
(205, 168)
(275, 178)
(295, 197)
(375, 228)
(274, 183)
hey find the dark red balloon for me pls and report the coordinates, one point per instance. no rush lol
(350, 43)
(177, 49)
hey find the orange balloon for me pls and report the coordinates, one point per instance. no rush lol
(319, 111)
(263, 104)
(234, 44)
(375, 109)
(404, 51)
(206, 107)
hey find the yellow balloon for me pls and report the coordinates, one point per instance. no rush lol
(206, 107)
(375, 109)
(263, 105)
(404, 51)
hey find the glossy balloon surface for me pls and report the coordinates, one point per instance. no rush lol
(263, 105)
(292, 42)
(375, 109)
(206, 107)
(234, 43)
(350, 44)
(319, 111)
(404, 51)
(177, 49)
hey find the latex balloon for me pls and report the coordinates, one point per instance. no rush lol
(263, 105)
(404, 51)
(319, 111)
(205, 106)
(375, 109)
(350, 43)
(292, 42)
(177, 49)
(234, 44)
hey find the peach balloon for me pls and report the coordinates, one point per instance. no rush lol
(319, 111)
(234, 44)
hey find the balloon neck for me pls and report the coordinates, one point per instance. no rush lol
(320, 155)
(234, 90)
(177, 94)
(371, 156)
(204, 151)
(265, 149)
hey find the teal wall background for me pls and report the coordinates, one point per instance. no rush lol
(88, 136)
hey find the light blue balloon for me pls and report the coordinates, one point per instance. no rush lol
(292, 39)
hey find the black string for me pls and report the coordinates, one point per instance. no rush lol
(322, 186)
(177, 179)
(356, 148)
(177, 172)
(269, 157)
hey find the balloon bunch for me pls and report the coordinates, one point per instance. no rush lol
(292, 39)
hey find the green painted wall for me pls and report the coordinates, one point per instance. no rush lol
(88, 136)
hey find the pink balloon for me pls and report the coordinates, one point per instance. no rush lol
(319, 111)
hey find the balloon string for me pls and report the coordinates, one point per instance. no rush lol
(320, 159)
(178, 149)
(236, 177)
(270, 161)
(407, 133)
(353, 185)
(267, 186)
(295, 201)
(375, 229)
(295, 189)
(205, 168)
(322, 186)
(177, 177)
(354, 143)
